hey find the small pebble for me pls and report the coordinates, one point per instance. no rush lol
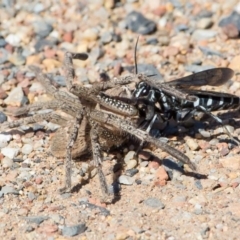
(42, 28)
(154, 203)
(27, 148)
(2, 43)
(192, 144)
(31, 196)
(131, 172)
(233, 18)
(38, 7)
(204, 133)
(16, 97)
(70, 231)
(198, 184)
(231, 30)
(4, 55)
(202, 34)
(36, 219)
(131, 164)
(129, 156)
(57, 218)
(179, 199)
(5, 137)
(90, 34)
(10, 152)
(126, 180)
(106, 37)
(161, 174)
(8, 190)
(208, 51)
(42, 43)
(136, 22)
(7, 162)
(205, 23)
(13, 39)
(17, 59)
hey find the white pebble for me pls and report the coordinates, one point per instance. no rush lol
(13, 39)
(5, 137)
(15, 97)
(192, 144)
(129, 156)
(10, 152)
(36, 87)
(126, 180)
(27, 148)
(131, 164)
(7, 162)
(3, 144)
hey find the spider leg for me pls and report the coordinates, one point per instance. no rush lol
(72, 138)
(51, 117)
(125, 125)
(34, 107)
(97, 158)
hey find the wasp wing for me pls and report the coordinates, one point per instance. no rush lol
(211, 77)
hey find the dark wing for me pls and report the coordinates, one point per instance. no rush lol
(212, 77)
(209, 93)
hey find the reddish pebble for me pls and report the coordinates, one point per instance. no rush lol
(9, 48)
(160, 183)
(222, 184)
(3, 94)
(25, 90)
(5, 72)
(223, 148)
(170, 51)
(68, 37)
(11, 177)
(224, 151)
(29, 135)
(203, 43)
(231, 30)
(154, 165)
(204, 145)
(96, 202)
(221, 145)
(160, 11)
(19, 76)
(38, 180)
(24, 83)
(161, 174)
(40, 134)
(117, 69)
(235, 184)
(47, 228)
(55, 208)
(27, 184)
(50, 53)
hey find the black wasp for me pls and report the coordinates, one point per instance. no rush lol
(176, 99)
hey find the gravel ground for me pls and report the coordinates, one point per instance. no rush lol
(156, 199)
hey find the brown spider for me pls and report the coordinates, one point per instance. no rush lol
(87, 123)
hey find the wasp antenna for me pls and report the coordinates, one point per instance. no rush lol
(135, 56)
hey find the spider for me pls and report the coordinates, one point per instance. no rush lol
(94, 119)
